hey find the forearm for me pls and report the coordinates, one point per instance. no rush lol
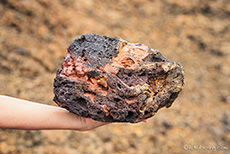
(21, 114)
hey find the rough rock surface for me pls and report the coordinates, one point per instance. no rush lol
(110, 79)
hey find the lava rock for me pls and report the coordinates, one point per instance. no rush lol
(112, 80)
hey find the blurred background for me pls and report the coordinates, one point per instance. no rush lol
(34, 35)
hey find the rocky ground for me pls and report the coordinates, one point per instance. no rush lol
(34, 36)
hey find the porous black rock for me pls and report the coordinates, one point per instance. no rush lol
(112, 80)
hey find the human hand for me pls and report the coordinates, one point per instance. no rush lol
(88, 124)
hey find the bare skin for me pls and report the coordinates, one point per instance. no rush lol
(26, 115)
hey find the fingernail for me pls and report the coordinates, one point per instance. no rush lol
(145, 120)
